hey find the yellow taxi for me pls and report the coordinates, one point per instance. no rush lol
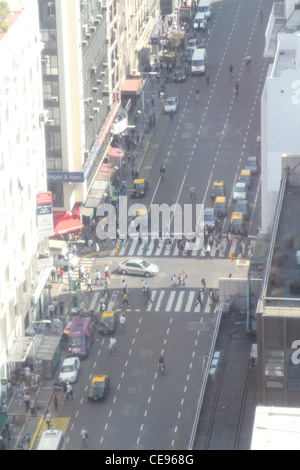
(237, 223)
(108, 322)
(245, 177)
(220, 206)
(218, 189)
(139, 187)
(98, 387)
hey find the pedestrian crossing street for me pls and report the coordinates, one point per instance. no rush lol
(178, 300)
(135, 248)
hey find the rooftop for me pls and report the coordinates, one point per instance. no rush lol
(281, 285)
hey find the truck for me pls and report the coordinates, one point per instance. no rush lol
(62, 257)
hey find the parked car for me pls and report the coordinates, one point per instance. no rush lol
(179, 75)
(252, 165)
(171, 105)
(243, 207)
(245, 177)
(188, 54)
(98, 387)
(239, 191)
(138, 266)
(69, 370)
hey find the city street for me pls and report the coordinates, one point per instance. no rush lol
(205, 141)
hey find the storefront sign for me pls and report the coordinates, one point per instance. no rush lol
(44, 214)
(65, 176)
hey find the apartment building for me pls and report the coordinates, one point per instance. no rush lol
(23, 290)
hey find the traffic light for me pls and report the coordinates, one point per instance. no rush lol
(117, 250)
(231, 256)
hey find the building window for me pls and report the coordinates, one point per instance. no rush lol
(57, 194)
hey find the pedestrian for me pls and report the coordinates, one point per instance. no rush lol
(122, 322)
(70, 391)
(112, 345)
(173, 281)
(125, 286)
(90, 244)
(199, 300)
(20, 395)
(53, 274)
(132, 174)
(207, 251)
(197, 94)
(125, 299)
(55, 401)
(148, 296)
(231, 70)
(51, 310)
(162, 172)
(210, 294)
(144, 288)
(248, 61)
(236, 88)
(58, 274)
(152, 99)
(89, 284)
(61, 274)
(27, 401)
(106, 274)
(192, 192)
(207, 77)
(61, 305)
(48, 419)
(98, 278)
(261, 15)
(137, 137)
(84, 436)
(180, 246)
(203, 283)
(105, 291)
(82, 273)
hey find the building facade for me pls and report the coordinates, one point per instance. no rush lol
(22, 176)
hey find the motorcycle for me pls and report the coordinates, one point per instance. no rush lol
(162, 368)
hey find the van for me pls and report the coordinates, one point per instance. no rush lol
(200, 21)
(80, 336)
(52, 440)
(204, 6)
(62, 257)
(198, 65)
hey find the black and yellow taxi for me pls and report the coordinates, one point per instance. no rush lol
(220, 206)
(236, 223)
(98, 387)
(107, 323)
(218, 189)
(245, 177)
(139, 188)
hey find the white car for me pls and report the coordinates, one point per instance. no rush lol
(69, 370)
(240, 191)
(171, 105)
(138, 266)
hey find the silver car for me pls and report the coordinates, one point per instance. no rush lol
(240, 191)
(171, 105)
(138, 266)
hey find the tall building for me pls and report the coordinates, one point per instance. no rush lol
(22, 176)
(81, 81)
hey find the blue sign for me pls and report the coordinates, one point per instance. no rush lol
(65, 177)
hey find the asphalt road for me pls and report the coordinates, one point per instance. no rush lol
(206, 141)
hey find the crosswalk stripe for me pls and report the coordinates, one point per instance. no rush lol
(170, 301)
(161, 295)
(132, 247)
(190, 301)
(179, 301)
(61, 424)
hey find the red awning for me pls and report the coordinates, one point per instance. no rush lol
(131, 86)
(66, 222)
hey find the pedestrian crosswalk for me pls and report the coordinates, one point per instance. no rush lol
(60, 423)
(163, 248)
(179, 300)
